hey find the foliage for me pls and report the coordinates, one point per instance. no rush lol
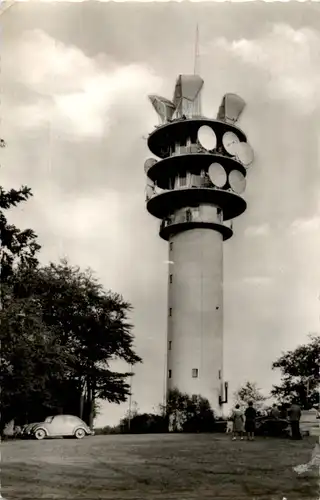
(175, 409)
(108, 429)
(32, 364)
(181, 413)
(138, 423)
(133, 411)
(188, 413)
(300, 374)
(250, 392)
(59, 330)
(21, 354)
(90, 324)
(144, 423)
(17, 246)
(220, 426)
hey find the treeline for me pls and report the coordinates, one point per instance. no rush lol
(59, 330)
(182, 413)
(300, 382)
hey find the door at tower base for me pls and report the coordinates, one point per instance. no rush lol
(195, 316)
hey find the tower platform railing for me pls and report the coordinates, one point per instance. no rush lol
(202, 182)
(190, 218)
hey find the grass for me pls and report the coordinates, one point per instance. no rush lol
(153, 467)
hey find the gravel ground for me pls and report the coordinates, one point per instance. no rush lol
(154, 467)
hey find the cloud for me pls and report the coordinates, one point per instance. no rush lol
(306, 225)
(89, 200)
(262, 230)
(289, 60)
(75, 93)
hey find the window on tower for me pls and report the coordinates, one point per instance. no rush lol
(195, 180)
(182, 181)
(195, 372)
(169, 345)
(170, 311)
(171, 245)
(170, 278)
(169, 373)
(196, 211)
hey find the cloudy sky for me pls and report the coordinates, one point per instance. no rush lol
(75, 79)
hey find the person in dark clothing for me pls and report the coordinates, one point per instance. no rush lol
(294, 414)
(284, 411)
(250, 425)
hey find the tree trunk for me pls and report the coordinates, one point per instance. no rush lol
(91, 403)
(81, 405)
(81, 401)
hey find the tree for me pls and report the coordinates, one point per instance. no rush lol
(59, 329)
(91, 324)
(188, 413)
(250, 392)
(17, 247)
(32, 364)
(300, 374)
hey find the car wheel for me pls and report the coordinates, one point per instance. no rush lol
(80, 433)
(40, 434)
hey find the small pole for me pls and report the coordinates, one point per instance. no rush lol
(307, 393)
(196, 51)
(130, 399)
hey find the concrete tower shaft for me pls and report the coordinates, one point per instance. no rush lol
(195, 320)
(195, 189)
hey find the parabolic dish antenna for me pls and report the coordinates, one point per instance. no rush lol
(207, 138)
(231, 108)
(237, 181)
(229, 141)
(244, 153)
(149, 163)
(217, 175)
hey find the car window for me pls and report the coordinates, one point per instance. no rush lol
(59, 418)
(49, 420)
(73, 420)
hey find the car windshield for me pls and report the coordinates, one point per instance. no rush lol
(49, 420)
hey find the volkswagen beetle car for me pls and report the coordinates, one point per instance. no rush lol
(61, 426)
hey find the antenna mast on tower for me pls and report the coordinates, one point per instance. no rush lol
(196, 52)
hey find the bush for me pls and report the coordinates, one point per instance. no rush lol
(220, 426)
(144, 423)
(199, 421)
(103, 431)
(189, 413)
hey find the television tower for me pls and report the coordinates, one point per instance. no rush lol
(195, 188)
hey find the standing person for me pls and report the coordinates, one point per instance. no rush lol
(238, 421)
(229, 427)
(294, 418)
(275, 412)
(251, 416)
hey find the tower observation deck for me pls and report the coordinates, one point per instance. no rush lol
(195, 187)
